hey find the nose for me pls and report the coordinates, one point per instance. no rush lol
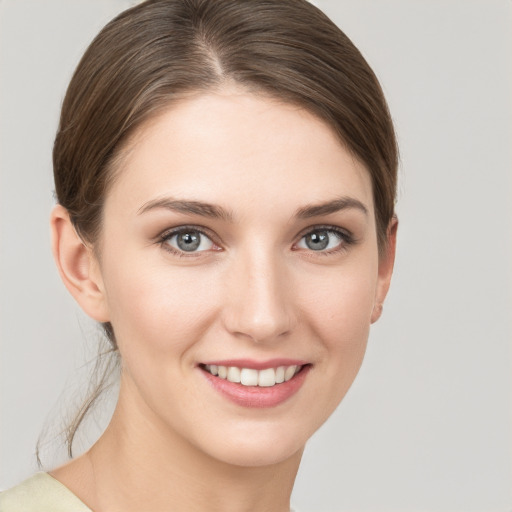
(259, 302)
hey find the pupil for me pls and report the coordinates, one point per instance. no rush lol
(189, 241)
(317, 241)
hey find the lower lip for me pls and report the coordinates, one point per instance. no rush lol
(257, 396)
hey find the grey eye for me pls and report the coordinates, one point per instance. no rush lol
(190, 240)
(320, 240)
(317, 241)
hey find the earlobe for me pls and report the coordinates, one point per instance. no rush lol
(78, 267)
(386, 264)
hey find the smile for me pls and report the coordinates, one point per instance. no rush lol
(255, 385)
(267, 377)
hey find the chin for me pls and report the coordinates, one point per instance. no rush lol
(258, 443)
(264, 453)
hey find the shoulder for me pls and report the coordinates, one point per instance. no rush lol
(40, 493)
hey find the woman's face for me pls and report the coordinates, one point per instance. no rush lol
(239, 238)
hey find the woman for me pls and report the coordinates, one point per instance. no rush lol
(225, 174)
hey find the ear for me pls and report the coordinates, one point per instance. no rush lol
(386, 263)
(78, 266)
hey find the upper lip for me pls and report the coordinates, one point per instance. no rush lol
(256, 365)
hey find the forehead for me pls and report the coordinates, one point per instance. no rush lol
(237, 149)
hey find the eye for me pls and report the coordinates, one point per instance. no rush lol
(323, 239)
(188, 240)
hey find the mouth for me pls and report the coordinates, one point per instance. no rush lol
(256, 385)
(267, 377)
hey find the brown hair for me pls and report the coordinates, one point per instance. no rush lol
(159, 50)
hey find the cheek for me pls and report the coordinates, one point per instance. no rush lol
(159, 309)
(341, 302)
(338, 310)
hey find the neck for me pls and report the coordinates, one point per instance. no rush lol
(139, 464)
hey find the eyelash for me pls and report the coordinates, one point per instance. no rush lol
(164, 238)
(346, 239)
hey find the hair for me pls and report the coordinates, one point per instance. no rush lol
(157, 52)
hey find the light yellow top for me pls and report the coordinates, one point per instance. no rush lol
(41, 493)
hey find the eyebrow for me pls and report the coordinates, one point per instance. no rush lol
(190, 207)
(336, 205)
(217, 212)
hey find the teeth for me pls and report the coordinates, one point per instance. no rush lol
(280, 374)
(289, 372)
(223, 371)
(233, 374)
(250, 377)
(267, 377)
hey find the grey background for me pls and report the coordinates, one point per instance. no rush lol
(427, 425)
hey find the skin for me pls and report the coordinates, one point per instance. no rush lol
(256, 291)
